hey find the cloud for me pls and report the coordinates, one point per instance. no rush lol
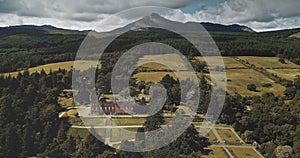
(251, 10)
(261, 15)
(81, 14)
(80, 10)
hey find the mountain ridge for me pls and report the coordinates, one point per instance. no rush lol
(155, 20)
(152, 20)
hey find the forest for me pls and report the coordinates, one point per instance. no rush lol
(29, 107)
(32, 47)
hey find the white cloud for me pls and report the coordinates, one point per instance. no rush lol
(261, 15)
(82, 14)
(251, 10)
(80, 10)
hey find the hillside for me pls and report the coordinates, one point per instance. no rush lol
(29, 46)
(157, 20)
(296, 35)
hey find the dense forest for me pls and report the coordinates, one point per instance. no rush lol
(29, 107)
(272, 122)
(31, 127)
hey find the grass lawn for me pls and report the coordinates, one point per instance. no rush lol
(289, 74)
(238, 79)
(99, 121)
(228, 136)
(123, 134)
(229, 62)
(244, 152)
(128, 121)
(84, 65)
(268, 62)
(216, 152)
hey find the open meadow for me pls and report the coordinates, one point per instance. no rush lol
(238, 79)
(84, 65)
(288, 74)
(228, 62)
(269, 62)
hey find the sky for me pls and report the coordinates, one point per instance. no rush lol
(260, 15)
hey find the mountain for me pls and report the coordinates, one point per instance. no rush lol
(156, 20)
(33, 30)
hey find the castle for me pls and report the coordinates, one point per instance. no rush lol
(102, 105)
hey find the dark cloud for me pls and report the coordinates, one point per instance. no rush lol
(82, 10)
(251, 10)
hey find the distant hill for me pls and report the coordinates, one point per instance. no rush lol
(28, 45)
(33, 30)
(156, 20)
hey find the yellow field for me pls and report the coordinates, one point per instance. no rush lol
(173, 61)
(269, 62)
(216, 152)
(128, 121)
(296, 35)
(289, 74)
(157, 76)
(211, 137)
(238, 79)
(84, 65)
(154, 66)
(228, 136)
(176, 62)
(229, 62)
(244, 152)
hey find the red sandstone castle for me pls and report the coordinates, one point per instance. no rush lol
(107, 106)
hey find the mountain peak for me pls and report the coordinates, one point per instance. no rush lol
(155, 20)
(155, 15)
